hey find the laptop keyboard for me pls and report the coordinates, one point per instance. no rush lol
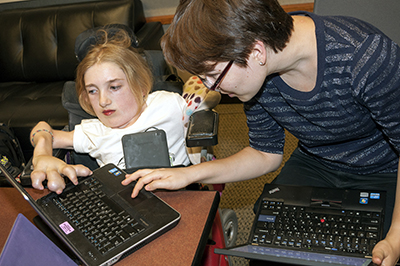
(318, 229)
(104, 223)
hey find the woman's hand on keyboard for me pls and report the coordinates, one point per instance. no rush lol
(54, 169)
(386, 252)
(152, 179)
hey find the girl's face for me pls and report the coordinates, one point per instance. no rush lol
(111, 97)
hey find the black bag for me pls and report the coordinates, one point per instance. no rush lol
(11, 155)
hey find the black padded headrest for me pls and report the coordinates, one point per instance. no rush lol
(90, 37)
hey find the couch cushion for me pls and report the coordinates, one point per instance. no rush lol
(38, 44)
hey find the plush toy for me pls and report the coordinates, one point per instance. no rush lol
(198, 97)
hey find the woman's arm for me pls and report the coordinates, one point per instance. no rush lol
(45, 165)
(246, 164)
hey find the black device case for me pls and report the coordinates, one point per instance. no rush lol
(147, 149)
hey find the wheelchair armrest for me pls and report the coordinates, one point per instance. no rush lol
(202, 129)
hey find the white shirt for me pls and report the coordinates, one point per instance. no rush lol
(164, 111)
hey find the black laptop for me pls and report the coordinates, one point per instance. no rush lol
(98, 220)
(301, 225)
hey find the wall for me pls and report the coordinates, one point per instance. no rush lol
(153, 8)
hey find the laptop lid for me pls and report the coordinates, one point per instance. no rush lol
(27, 245)
(326, 199)
(147, 209)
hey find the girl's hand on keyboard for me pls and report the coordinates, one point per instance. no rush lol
(53, 170)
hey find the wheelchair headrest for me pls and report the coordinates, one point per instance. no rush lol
(90, 37)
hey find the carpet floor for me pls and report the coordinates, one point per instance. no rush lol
(241, 196)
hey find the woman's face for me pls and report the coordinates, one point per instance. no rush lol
(243, 83)
(110, 96)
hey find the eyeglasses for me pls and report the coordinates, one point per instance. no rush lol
(214, 86)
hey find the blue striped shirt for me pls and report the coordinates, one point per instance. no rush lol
(350, 121)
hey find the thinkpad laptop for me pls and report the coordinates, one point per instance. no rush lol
(314, 226)
(98, 220)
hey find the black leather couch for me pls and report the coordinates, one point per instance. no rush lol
(37, 57)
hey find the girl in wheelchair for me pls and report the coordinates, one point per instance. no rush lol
(113, 84)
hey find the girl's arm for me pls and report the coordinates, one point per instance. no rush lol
(44, 139)
(45, 165)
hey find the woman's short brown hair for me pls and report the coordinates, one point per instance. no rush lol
(205, 31)
(116, 49)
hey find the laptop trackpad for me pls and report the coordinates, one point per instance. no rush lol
(126, 195)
